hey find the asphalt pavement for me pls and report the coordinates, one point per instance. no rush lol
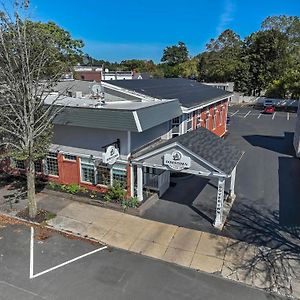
(109, 274)
(267, 183)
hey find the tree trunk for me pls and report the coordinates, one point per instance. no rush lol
(32, 206)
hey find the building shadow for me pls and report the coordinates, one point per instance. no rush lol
(185, 191)
(283, 145)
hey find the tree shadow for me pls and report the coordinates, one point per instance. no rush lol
(270, 258)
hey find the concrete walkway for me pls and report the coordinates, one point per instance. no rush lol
(186, 247)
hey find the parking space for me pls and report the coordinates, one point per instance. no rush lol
(110, 274)
(266, 183)
(253, 113)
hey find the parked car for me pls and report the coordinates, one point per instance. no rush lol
(228, 120)
(269, 109)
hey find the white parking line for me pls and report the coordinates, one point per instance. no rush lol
(31, 275)
(235, 113)
(273, 115)
(247, 114)
(259, 116)
(288, 116)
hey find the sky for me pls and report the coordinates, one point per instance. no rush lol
(116, 30)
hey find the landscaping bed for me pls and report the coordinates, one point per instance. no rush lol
(41, 216)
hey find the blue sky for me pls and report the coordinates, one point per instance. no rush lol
(125, 29)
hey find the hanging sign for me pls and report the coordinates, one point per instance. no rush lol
(177, 161)
(111, 155)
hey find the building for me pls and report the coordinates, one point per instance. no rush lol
(297, 133)
(226, 86)
(98, 74)
(138, 132)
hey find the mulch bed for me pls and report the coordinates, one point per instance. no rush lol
(42, 232)
(42, 215)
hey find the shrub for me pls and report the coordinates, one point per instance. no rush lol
(131, 202)
(115, 193)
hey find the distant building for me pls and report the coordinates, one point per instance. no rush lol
(98, 74)
(297, 133)
(226, 86)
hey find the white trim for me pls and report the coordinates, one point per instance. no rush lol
(137, 121)
(128, 143)
(191, 109)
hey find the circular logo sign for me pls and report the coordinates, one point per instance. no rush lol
(111, 155)
(177, 161)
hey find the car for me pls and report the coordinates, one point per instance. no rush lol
(269, 109)
(268, 102)
(228, 120)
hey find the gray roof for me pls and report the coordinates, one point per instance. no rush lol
(137, 116)
(205, 144)
(86, 88)
(190, 93)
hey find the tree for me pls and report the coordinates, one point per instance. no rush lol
(267, 56)
(176, 54)
(221, 59)
(32, 59)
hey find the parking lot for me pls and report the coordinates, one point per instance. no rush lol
(107, 274)
(266, 184)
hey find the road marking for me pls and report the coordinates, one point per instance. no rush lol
(288, 116)
(21, 289)
(259, 116)
(235, 113)
(273, 115)
(31, 275)
(247, 114)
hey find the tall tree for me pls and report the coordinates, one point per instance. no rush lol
(32, 59)
(175, 54)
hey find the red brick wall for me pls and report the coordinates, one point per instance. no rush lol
(88, 75)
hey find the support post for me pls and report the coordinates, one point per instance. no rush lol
(220, 204)
(232, 183)
(132, 180)
(140, 182)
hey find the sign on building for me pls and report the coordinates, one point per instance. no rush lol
(177, 161)
(111, 155)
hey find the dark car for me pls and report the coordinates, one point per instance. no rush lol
(228, 120)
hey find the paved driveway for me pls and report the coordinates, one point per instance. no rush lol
(267, 183)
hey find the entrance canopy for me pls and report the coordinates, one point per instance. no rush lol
(209, 154)
(198, 152)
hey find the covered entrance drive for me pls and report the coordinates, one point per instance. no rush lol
(198, 152)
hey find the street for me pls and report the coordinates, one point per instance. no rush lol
(109, 274)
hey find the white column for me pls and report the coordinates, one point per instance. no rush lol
(232, 183)
(220, 203)
(132, 181)
(140, 183)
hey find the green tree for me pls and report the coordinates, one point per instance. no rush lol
(32, 59)
(267, 56)
(175, 54)
(221, 60)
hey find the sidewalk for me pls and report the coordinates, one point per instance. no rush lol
(198, 250)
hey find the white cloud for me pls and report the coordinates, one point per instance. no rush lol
(226, 17)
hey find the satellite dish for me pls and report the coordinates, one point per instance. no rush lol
(96, 89)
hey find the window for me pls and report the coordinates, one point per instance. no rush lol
(175, 126)
(51, 166)
(207, 120)
(189, 122)
(20, 164)
(214, 118)
(199, 120)
(103, 175)
(119, 173)
(87, 170)
(221, 115)
(38, 166)
(69, 157)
